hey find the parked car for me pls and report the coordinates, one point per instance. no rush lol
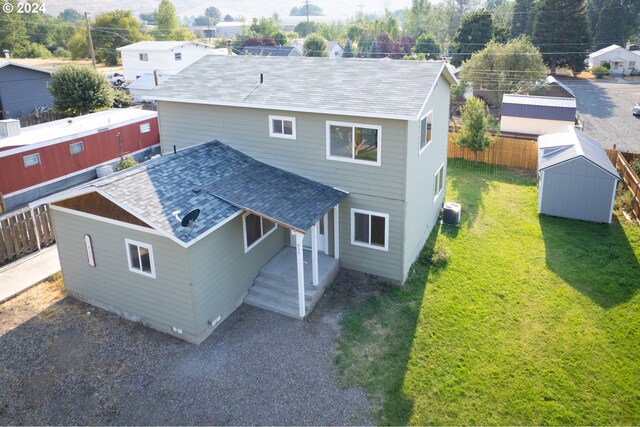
(115, 79)
(636, 109)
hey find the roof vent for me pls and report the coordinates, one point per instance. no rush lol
(9, 127)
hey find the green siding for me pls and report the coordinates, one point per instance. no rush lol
(166, 300)
(222, 273)
(421, 209)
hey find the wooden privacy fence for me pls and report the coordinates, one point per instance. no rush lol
(24, 232)
(516, 153)
(631, 181)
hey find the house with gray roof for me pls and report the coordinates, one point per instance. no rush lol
(536, 115)
(295, 174)
(576, 178)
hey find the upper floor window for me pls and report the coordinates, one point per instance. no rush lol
(144, 56)
(425, 130)
(282, 127)
(140, 257)
(145, 127)
(76, 147)
(370, 229)
(438, 182)
(352, 142)
(31, 160)
(177, 56)
(255, 228)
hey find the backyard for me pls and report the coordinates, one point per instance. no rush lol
(520, 319)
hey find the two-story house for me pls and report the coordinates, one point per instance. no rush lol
(297, 166)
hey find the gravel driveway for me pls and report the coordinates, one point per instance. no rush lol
(74, 364)
(605, 106)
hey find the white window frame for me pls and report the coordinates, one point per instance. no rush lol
(262, 237)
(143, 57)
(282, 119)
(80, 144)
(420, 148)
(148, 247)
(435, 181)
(24, 160)
(352, 159)
(354, 242)
(177, 56)
(145, 127)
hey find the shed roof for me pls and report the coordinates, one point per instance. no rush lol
(539, 107)
(358, 87)
(159, 45)
(147, 81)
(218, 180)
(569, 143)
(552, 80)
(26, 67)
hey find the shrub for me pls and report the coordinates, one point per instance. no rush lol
(121, 99)
(126, 162)
(79, 89)
(606, 65)
(61, 53)
(437, 256)
(600, 71)
(635, 165)
(35, 50)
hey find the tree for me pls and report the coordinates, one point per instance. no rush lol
(501, 34)
(264, 27)
(428, 45)
(375, 51)
(13, 35)
(213, 13)
(111, 30)
(503, 14)
(304, 28)
(70, 15)
(315, 45)
(168, 27)
(476, 29)
(79, 89)
(499, 68)
(474, 133)
(280, 39)
(149, 18)
(228, 18)
(523, 14)
(313, 10)
(594, 8)
(348, 50)
(561, 32)
(611, 26)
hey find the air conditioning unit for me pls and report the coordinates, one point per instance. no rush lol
(451, 213)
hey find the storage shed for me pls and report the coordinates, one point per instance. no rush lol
(536, 115)
(576, 179)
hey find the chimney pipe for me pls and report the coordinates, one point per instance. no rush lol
(261, 78)
(6, 54)
(155, 77)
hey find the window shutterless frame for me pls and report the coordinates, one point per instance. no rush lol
(76, 147)
(136, 253)
(426, 131)
(263, 234)
(372, 217)
(31, 160)
(354, 128)
(282, 127)
(438, 183)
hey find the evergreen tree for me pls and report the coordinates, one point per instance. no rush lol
(348, 50)
(523, 15)
(476, 29)
(561, 32)
(428, 45)
(610, 28)
(594, 7)
(375, 51)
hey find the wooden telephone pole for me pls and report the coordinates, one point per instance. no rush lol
(93, 54)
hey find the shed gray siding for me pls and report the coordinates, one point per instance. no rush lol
(374, 188)
(22, 90)
(544, 112)
(222, 273)
(577, 189)
(162, 302)
(421, 209)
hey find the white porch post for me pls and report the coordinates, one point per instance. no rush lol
(300, 267)
(336, 232)
(325, 223)
(314, 254)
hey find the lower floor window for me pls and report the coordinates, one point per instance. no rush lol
(370, 229)
(438, 182)
(140, 258)
(256, 228)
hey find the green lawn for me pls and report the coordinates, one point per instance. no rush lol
(533, 320)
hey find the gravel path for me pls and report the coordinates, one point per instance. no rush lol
(74, 364)
(606, 109)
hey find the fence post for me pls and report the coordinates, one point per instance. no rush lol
(35, 228)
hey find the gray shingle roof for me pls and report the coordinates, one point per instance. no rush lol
(268, 50)
(360, 87)
(220, 181)
(569, 143)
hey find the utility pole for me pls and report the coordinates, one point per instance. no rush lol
(361, 6)
(93, 54)
(307, 11)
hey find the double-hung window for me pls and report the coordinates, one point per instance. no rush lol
(256, 228)
(282, 127)
(140, 257)
(370, 229)
(355, 143)
(425, 131)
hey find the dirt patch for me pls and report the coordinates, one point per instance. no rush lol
(52, 63)
(35, 301)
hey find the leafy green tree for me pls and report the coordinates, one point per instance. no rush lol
(228, 18)
(264, 27)
(503, 14)
(70, 15)
(121, 99)
(428, 45)
(149, 18)
(313, 10)
(315, 45)
(79, 89)
(501, 34)
(476, 29)
(474, 133)
(304, 28)
(523, 15)
(504, 68)
(280, 39)
(202, 21)
(611, 26)
(348, 50)
(167, 24)
(111, 30)
(561, 31)
(213, 13)
(13, 35)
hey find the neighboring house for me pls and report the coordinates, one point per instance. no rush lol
(168, 57)
(334, 50)
(576, 179)
(141, 87)
(289, 51)
(621, 60)
(554, 88)
(22, 90)
(303, 181)
(228, 29)
(536, 115)
(42, 159)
